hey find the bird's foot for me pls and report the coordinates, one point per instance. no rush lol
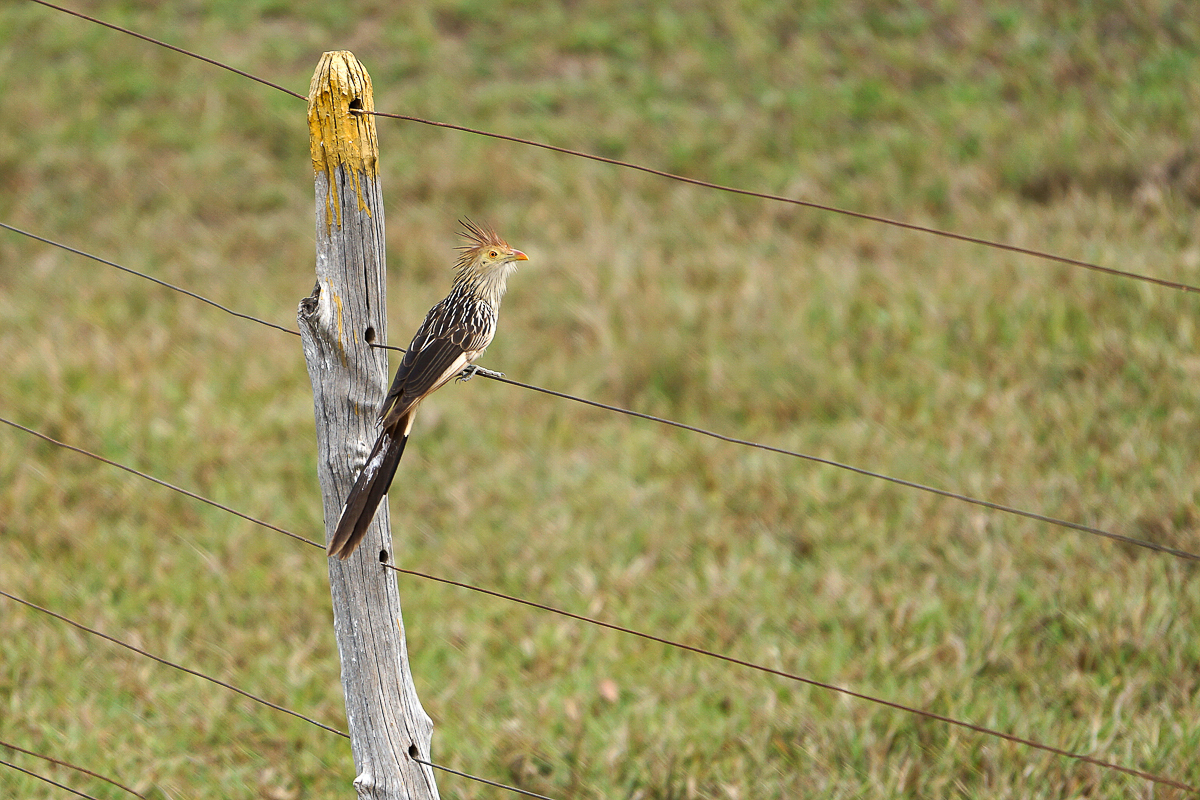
(473, 370)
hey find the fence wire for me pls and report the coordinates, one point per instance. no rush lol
(680, 178)
(44, 779)
(961, 237)
(946, 493)
(69, 765)
(611, 626)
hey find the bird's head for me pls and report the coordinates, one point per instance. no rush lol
(485, 263)
(485, 251)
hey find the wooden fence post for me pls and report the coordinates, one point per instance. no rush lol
(347, 312)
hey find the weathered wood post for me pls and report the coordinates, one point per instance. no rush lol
(338, 322)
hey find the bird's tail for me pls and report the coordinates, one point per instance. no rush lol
(372, 484)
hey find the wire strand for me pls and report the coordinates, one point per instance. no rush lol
(469, 776)
(69, 765)
(151, 278)
(165, 662)
(161, 43)
(632, 632)
(683, 179)
(961, 237)
(1078, 526)
(152, 479)
(62, 618)
(223, 684)
(1178, 553)
(801, 679)
(10, 765)
(911, 226)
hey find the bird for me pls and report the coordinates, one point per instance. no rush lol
(454, 334)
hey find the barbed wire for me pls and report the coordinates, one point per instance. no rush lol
(69, 765)
(10, 765)
(1027, 251)
(621, 629)
(1000, 507)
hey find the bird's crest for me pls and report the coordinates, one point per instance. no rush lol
(479, 237)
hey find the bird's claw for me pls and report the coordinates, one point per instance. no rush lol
(473, 370)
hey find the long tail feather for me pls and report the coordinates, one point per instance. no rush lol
(372, 484)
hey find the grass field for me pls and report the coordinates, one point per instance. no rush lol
(1067, 127)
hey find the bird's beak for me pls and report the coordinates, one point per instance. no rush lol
(519, 256)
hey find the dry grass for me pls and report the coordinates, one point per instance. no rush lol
(1037, 385)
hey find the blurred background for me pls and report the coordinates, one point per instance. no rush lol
(1066, 127)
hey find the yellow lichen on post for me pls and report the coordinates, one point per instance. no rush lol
(336, 135)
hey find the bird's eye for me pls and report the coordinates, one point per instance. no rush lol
(493, 254)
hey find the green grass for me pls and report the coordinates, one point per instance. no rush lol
(1037, 385)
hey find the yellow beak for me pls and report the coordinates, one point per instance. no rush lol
(519, 256)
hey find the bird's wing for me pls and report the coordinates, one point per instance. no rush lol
(450, 338)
